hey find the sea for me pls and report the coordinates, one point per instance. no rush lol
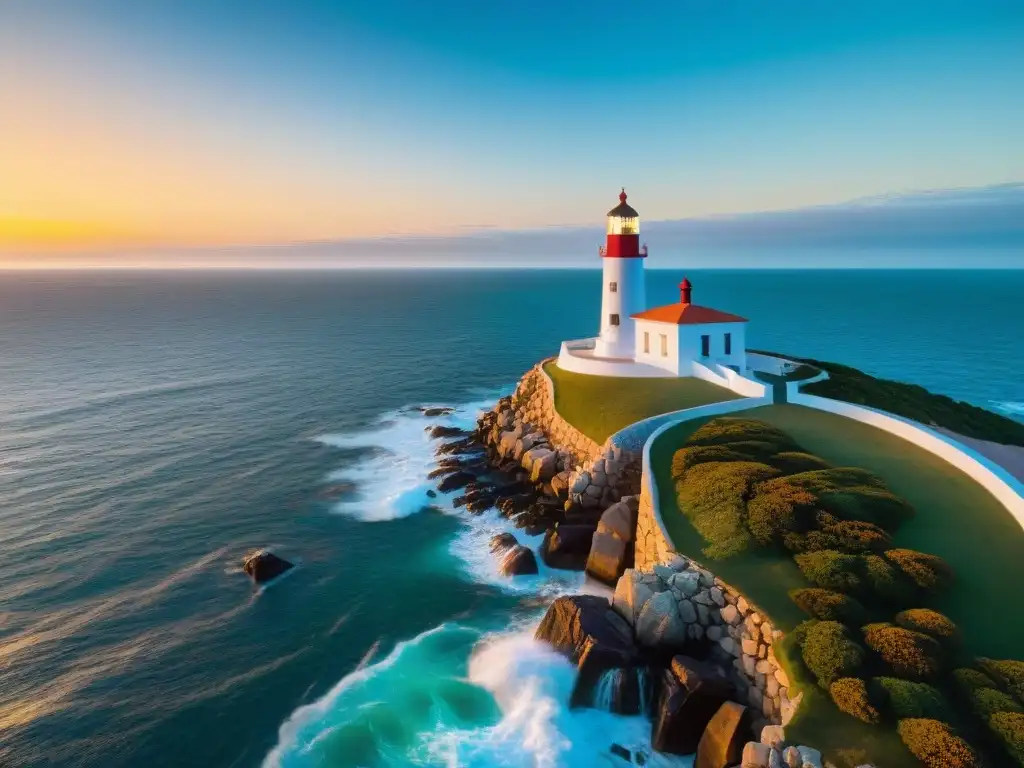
(157, 426)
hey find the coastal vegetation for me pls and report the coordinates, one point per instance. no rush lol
(599, 406)
(910, 401)
(880, 665)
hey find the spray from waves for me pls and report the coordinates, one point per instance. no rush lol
(392, 476)
(425, 704)
(1012, 407)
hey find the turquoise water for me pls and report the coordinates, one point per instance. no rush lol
(155, 427)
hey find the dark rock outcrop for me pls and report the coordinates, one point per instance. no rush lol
(691, 693)
(567, 547)
(263, 566)
(721, 746)
(431, 412)
(455, 481)
(442, 431)
(464, 446)
(518, 561)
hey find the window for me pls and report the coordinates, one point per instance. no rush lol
(613, 287)
(728, 343)
(705, 346)
(613, 319)
(647, 343)
(664, 345)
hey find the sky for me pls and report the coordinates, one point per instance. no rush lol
(188, 128)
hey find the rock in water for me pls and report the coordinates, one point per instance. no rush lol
(442, 431)
(609, 557)
(692, 692)
(428, 412)
(518, 561)
(503, 541)
(567, 547)
(455, 481)
(721, 746)
(263, 566)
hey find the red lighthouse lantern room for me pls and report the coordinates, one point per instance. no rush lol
(623, 231)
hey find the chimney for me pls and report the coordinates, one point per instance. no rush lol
(685, 291)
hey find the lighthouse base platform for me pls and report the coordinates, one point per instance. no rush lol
(581, 356)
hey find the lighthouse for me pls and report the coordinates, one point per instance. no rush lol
(622, 291)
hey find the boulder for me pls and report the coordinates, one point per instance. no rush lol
(458, 447)
(543, 464)
(455, 481)
(791, 757)
(721, 745)
(263, 566)
(686, 583)
(589, 633)
(441, 431)
(512, 505)
(560, 485)
(609, 557)
(691, 693)
(755, 755)
(631, 592)
(518, 561)
(503, 541)
(567, 547)
(431, 412)
(481, 503)
(811, 757)
(619, 520)
(659, 624)
(774, 736)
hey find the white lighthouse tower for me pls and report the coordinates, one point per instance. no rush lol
(622, 293)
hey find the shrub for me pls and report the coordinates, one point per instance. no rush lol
(933, 624)
(969, 680)
(935, 744)
(852, 536)
(778, 508)
(731, 429)
(929, 572)
(712, 496)
(829, 653)
(905, 698)
(1008, 673)
(886, 582)
(850, 695)
(1008, 728)
(855, 494)
(801, 630)
(830, 606)
(909, 654)
(831, 569)
(987, 701)
(793, 462)
(690, 456)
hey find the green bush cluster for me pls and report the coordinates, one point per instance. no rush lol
(930, 572)
(911, 655)
(936, 745)
(901, 699)
(851, 696)
(829, 652)
(1008, 729)
(966, 681)
(1008, 673)
(933, 624)
(830, 606)
(985, 702)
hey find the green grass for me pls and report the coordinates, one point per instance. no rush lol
(599, 406)
(956, 519)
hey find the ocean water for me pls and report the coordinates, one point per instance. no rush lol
(154, 427)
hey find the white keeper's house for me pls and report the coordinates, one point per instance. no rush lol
(681, 339)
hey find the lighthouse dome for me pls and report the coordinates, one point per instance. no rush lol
(623, 210)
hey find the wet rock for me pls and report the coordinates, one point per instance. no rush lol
(620, 751)
(659, 624)
(503, 541)
(518, 561)
(512, 505)
(431, 493)
(567, 547)
(263, 566)
(467, 445)
(480, 503)
(441, 431)
(721, 745)
(455, 481)
(691, 693)
(432, 412)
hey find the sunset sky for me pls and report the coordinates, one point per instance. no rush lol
(180, 123)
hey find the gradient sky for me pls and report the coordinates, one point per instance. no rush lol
(194, 122)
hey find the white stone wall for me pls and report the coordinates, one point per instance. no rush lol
(690, 343)
(1005, 487)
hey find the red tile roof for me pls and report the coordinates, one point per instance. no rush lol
(687, 314)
